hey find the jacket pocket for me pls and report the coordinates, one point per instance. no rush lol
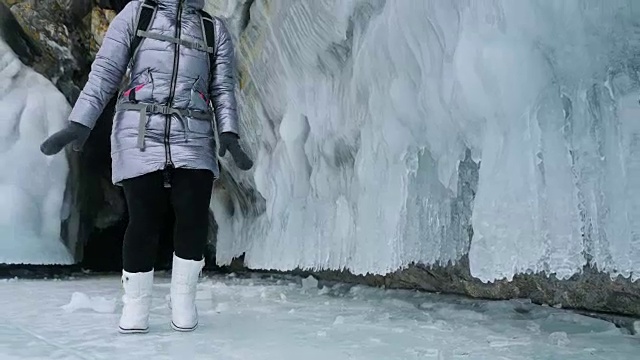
(201, 127)
(198, 99)
(141, 88)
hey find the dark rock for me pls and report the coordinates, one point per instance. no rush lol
(15, 36)
(59, 38)
(38, 271)
(115, 5)
(589, 292)
(77, 10)
(51, 32)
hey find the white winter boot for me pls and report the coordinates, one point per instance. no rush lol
(184, 279)
(137, 301)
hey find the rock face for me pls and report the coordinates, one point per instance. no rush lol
(591, 291)
(340, 99)
(21, 43)
(62, 35)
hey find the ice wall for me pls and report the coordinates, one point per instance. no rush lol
(360, 114)
(31, 185)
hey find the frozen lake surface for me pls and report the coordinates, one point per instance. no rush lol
(260, 319)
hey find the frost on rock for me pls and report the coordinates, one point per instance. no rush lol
(31, 185)
(368, 120)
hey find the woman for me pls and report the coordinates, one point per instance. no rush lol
(162, 140)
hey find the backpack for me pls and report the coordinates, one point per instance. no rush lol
(145, 16)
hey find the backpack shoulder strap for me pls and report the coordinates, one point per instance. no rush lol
(208, 31)
(145, 16)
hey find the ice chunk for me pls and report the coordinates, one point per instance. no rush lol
(324, 290)
(310, 283)
(80, 301)
(221, 307)
(559, 338)
(31, 185)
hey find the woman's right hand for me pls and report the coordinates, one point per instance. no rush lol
(73, 132)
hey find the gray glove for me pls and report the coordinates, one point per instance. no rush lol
(229, 141)
(73, 133)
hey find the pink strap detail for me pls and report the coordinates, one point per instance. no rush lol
(136, 89)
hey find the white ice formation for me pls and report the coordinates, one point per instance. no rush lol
(384, 130)
(32, 185)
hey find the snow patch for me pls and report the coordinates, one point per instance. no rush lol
(81, 301)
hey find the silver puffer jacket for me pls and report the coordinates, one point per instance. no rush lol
(163, 73)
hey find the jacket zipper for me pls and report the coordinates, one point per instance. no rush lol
(174, 80)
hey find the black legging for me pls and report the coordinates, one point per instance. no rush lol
(146, 197)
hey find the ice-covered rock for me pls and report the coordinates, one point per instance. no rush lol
(491, 139)
(483, 148)
(32, 185)
(384, 130)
